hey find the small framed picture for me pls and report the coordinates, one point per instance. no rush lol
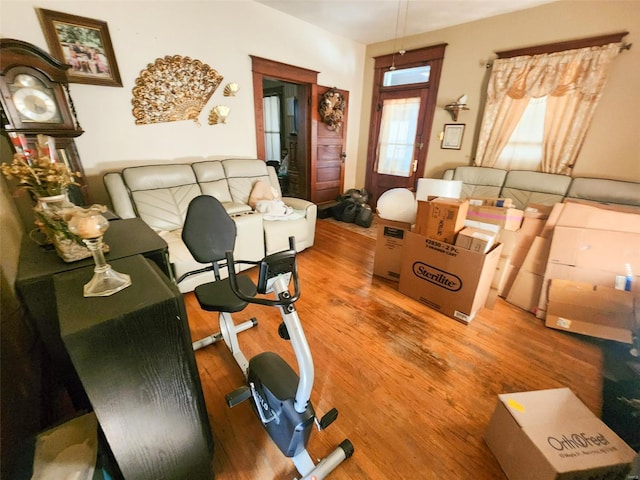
(84, 44)
(452, 136)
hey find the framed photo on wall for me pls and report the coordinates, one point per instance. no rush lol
(452, 136)
(84, 44)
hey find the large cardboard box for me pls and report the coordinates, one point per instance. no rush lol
(441, 218)
(551, 434)
(507, 218)
(452, 280)
(589, 309)
(389, 242)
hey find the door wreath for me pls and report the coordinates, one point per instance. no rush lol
(331, 108)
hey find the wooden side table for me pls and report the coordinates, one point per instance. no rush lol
(133, 354)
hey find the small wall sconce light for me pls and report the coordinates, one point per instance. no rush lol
(219, 114)
(455, 107)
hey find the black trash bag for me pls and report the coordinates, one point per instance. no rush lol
(360, 196)
(350, 212)
(365, 216)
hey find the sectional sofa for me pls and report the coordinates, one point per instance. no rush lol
(160, 195)
(525, 187)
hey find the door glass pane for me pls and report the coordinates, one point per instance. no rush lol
(406, 76)
(397, 136)
(271, 107)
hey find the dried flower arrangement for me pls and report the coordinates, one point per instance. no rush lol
(38, 173)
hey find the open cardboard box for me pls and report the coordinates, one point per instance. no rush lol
(551, 434)
(452, 280)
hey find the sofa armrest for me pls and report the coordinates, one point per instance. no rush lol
(297, 203)
(119, 195)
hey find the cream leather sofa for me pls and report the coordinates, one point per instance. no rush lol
(525, 187)
(160, 195)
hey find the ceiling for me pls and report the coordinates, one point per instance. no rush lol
(372, 21)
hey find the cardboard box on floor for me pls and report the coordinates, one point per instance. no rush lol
(593, 245)
(449, 279)
(593, 310)
(525, 281)
(389, 243)
(551, 434)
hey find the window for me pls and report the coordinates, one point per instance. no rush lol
(524, 149)
(397, 134)
(406, 76)
(271, 108)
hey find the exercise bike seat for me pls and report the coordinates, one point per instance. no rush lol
(209, 232)
(218, 296)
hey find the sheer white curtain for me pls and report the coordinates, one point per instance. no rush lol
(271, 108)
(397, 137)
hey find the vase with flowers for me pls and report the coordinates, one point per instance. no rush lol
(47, 181)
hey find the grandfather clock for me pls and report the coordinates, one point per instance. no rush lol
(36, 100)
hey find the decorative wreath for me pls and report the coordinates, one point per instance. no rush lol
(331, 108)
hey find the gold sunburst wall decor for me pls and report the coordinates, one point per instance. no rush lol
(173, 88)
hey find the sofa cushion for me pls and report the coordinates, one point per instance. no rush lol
(210, 175)
(242, 174)
(161, 193)
(605, 191)
(480, 181)
(525, 187)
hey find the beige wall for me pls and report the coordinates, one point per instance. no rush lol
(612, 147)
(222, 34)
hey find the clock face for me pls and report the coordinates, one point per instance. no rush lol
(34, 101)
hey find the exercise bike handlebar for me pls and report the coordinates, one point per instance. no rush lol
(270, 267)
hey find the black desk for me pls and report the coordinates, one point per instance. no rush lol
(34, 284)
(133, 354)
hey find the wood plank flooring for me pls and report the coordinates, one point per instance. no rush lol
(415, 389)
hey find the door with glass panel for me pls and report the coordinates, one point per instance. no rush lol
(405, 89)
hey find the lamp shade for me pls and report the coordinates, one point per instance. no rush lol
(436, 187)
(397, 204)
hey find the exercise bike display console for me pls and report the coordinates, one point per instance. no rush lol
(281, 398)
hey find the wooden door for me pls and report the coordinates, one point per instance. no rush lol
(327, 172)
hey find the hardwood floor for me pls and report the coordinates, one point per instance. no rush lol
(415, 389)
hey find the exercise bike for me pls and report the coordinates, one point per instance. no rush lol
(280, 397)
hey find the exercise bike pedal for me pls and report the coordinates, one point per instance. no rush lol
(238, 396)
(327, 419)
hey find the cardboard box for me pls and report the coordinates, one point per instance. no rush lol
(596, 218)
(551, 434)
(589, 309)
(389, 242)
(476, 240)
(441, 218)
(491, 201)
(596, 249)
(452, 280)
(577, 274)
(507, 218)
(525, 291)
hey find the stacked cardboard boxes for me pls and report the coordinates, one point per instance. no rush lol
(591, 249)
(449, 278)
(529, 263)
